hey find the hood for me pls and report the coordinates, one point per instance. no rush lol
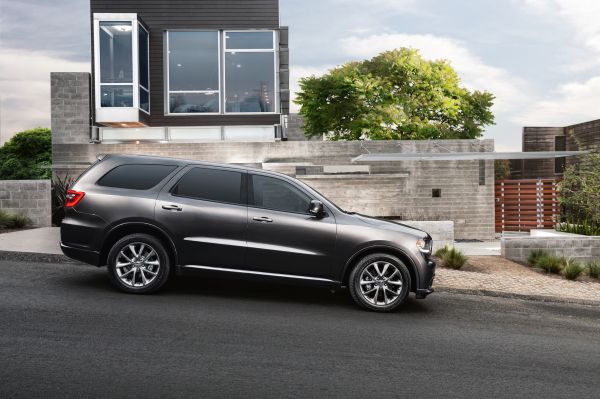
(389, 225)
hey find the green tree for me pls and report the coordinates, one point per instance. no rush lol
(396, 95)
(580, 192)
(27, 155)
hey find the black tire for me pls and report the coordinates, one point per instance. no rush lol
(402, 275)
(144, 241)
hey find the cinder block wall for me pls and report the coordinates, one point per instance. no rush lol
(580, 248)
(28, 197)
(70, 107)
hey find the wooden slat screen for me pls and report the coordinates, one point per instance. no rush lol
(522, 205)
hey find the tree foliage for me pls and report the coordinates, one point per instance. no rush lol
(396, 95)
(27, 155)
(580, 192)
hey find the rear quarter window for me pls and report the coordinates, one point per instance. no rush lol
(136, 177)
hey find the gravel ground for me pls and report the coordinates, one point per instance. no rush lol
(493, 275)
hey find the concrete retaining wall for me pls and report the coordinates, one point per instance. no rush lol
(28, 197)
(400, 190)
(581, 248)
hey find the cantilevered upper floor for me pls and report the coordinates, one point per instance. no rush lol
(189, 63)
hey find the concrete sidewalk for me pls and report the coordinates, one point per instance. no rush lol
(33, 245)
(44, 240)
(479, 248)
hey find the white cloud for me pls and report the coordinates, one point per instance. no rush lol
(474, 73)
(571, 103)
(582, 16)
(25, 88)
(379, 5)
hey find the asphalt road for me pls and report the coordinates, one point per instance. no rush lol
(65, 332)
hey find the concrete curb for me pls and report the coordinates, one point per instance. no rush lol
(514, 295)
(36, 257)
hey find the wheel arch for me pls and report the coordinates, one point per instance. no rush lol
(400, 254)
(124, 229)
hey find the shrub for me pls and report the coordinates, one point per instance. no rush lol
(572, 269)
(60, 185)
(593, 269)
(10, 221)
(550, 263)
(442, 251)
(27, 155)
(579, 195)
(535, 255)
(4, 218)
(585, 228)
(19, 221)
(453, 258)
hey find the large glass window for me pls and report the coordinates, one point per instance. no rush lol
(276, 194)
(249, 71)
(144, 71)
(193, 72)
(116, 64)
(212, 185)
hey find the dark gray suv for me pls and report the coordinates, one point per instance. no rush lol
(148, 217)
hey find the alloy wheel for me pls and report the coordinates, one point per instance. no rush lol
(381, 283)
(137, 264)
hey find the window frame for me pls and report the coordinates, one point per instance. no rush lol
(250, 194)
(275, 69)
(110, 17)
(146, 89)
(168, 76)
(243, 185)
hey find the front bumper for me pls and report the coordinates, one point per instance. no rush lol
(428, 276)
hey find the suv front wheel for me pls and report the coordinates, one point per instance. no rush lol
(139, 264)
(379, 282)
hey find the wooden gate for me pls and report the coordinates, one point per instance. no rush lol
(522, 205)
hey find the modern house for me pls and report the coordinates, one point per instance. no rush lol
(193, 70)
(208, 80)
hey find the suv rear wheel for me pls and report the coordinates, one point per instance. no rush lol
(379, 282)
(138, 263)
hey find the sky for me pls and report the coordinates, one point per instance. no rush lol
(540, 58)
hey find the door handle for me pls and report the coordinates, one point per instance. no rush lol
(172, 207)
(262, 219)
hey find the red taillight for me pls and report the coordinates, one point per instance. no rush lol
(73, 198)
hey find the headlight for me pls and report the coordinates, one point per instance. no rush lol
(424, 245)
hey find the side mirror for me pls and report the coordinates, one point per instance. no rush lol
(316, 208)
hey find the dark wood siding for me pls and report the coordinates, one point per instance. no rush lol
(539, 139)
(162, 15)
(584, 136)
(580, 137)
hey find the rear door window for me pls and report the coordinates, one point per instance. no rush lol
(136, 177)
(211, 185)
